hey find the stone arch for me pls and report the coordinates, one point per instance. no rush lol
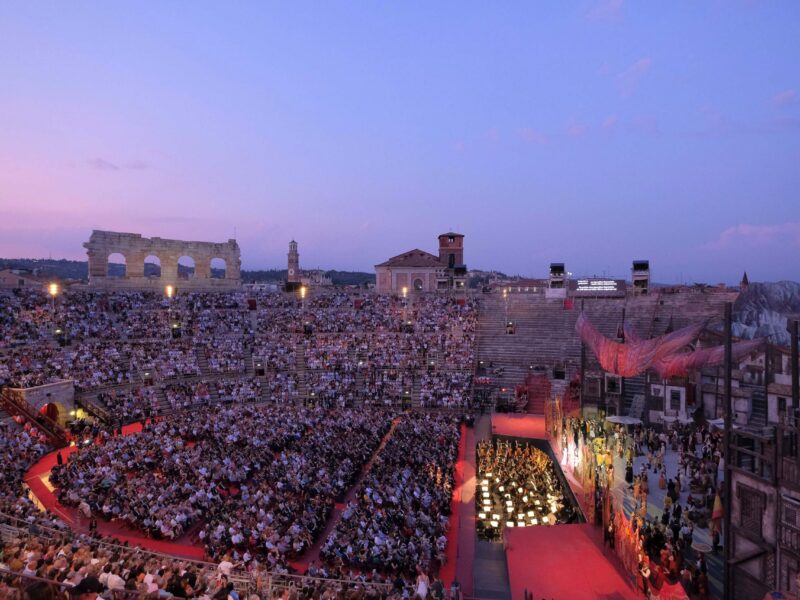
(186, 267)
(418, 284)
(218, 268)
(136, 250)
(152, 266)
(116, 265)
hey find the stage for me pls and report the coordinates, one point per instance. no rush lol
(561, 561)
(519, 425)
(564, 561)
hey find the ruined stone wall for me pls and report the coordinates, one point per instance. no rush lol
(136, 249)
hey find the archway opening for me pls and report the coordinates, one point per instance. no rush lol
(218, 268)
(418, 285)
(117, 265)
(152, 266)
(50, 410)
(185, 267)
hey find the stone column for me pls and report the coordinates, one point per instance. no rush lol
(169, 268)
(233, 267)
(97, 263)
(134, 260)
(202, 267)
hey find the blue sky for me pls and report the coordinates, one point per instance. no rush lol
(591, 133)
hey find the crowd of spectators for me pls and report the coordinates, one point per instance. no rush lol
(239, 465)
(225, 354)
(400, 519)
(355, 349)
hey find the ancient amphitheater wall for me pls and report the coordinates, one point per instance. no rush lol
(137, 249)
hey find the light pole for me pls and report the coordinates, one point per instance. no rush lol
(169, 292)
(53, 289)
(505, 301)
(306, 326)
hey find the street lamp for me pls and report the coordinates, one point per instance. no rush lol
(169, 291)
(505, 301)
(52, 289)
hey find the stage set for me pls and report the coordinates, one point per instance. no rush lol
(565, 560)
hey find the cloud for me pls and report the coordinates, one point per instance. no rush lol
(784, 98)
(101, 164)
(609, 122)
(531, 136)
(757, 235)
(605, 10)
(628, 80)
(576, 129)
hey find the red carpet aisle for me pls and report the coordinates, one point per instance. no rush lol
(465, 558)
(312, 554)
(562, 562)
(448, 571)
(37, 480)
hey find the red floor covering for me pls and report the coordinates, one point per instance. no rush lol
(562, 563)
(448, 570)
(464, 530)
(519, 425)
(36, 478)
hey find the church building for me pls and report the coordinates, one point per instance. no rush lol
(420, 271)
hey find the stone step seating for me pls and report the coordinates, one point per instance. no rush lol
(545, 330)
(202, 362)
(300, 369)
(248, 361)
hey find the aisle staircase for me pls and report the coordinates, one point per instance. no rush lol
(202, 361)
(300, 369)
(14, 405)
(249, 367)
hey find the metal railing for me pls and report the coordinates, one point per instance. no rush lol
(13, 527)
(23, 580)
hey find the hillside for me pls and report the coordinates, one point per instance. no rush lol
(77, 269)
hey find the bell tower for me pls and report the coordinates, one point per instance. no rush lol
(293, 270)
(451, 249)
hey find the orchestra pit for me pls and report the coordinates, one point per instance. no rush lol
(520, 486)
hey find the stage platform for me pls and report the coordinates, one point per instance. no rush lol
(563, 561)
(519, 425)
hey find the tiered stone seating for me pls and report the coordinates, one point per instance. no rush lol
(545, 329)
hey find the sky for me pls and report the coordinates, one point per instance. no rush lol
(591, 133)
